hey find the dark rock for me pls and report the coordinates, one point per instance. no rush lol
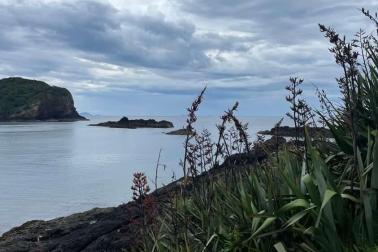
(133, 124)
(270, 144)
(180, 132)
(286, 131)
(99, 229)
(124, 120)
(31, 100)
(258, 154)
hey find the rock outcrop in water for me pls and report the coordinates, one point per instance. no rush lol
(31, 100)
(133, 124)
(286, 131)
(180, 132)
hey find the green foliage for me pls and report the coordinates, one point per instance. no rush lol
(247, 217)
(17, 94)
(314, 196)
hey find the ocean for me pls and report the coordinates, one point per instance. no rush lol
(53, 169)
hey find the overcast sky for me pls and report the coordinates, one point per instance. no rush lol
(151, 57)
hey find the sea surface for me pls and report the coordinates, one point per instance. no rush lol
(53, 169)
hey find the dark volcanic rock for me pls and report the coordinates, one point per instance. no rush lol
(31, 100)
(180, 132)
(133, 124)
(258, 153)
(286, 131)
(99, 229)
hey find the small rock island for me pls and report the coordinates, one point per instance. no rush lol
(137, 123)
(181, 132)
(287, 131)
(31, 100)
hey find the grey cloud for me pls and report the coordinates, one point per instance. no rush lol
(98, 28)
(239, 48)
(99, 32)
(288, 21)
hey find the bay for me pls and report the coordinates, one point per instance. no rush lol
(53, 169)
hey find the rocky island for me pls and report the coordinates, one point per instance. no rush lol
(137, 123)
(286, 131)
(181, 132)
(31, 100)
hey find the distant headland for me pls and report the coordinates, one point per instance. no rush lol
(31, 100)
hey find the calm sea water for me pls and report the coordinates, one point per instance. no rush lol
(53, 169)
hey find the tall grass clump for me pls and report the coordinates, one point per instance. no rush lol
(306, 195)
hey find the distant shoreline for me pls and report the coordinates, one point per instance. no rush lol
(49, 120)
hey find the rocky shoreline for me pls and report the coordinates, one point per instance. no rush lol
(114, 228)
(125, 122)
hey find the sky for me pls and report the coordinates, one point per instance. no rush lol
(143, 57)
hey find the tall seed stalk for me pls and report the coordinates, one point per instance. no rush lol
(191, 119)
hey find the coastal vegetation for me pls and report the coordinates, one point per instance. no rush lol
(309, 194)
(24, 99)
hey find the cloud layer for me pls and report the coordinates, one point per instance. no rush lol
(163, 51)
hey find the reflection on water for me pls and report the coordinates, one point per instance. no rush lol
(54, 169)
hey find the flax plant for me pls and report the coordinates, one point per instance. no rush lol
(324, 200)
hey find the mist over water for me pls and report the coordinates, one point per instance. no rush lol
(52, 169)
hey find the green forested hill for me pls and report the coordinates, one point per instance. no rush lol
(24, 99)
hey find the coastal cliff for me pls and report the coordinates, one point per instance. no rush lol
(31, 100)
